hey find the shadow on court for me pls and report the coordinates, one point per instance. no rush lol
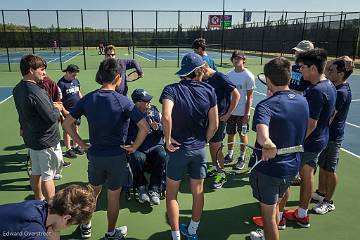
(234, 220)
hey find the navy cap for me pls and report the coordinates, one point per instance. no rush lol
(141, 95)
(189, 63)
(72, 68)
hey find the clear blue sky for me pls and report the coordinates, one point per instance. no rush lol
(165, 20)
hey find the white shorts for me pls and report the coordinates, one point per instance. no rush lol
(45, 162)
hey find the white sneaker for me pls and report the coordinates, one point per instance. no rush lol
(324, 207)
(240, 164)
(317, 197)
(257, 235)
(143, 195)
(154, 198)
(120, 233)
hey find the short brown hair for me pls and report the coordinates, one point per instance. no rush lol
(237, 54)
(77, 201)
(278, 70)
(109, 47)
(31, 61)
(199, 43)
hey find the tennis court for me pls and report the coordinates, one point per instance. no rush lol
(172, 54)
(50, 57)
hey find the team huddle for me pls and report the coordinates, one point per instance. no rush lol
(305, 111)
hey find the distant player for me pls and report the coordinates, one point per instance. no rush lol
(101, 48)
(199, 47)
(54, 46)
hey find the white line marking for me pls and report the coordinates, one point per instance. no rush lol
(52, 60)
(351, 153)
(356, 100)
(6, 99)
(260, 93)
(353, 125)
(73, 56)
(151, 55)
(142, 56)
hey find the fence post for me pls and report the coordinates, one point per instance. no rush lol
(356, 47)
(339, 34)
(156, 38)
(178, 39)
(31, 35)
(59, 37)
(304, 27)
(6, 41)
(132, 34)
(262, 39)
(83, 37)
(108, 26)
(201, 31)
(222, 35)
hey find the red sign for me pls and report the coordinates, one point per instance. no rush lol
(216, 20)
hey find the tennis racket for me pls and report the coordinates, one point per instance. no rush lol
(262, 78)
(280, 151)
(133, 76)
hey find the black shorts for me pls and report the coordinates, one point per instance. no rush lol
(220, 133)
(234, 124)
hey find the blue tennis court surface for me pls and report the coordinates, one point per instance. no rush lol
(166, 55)
(352, 128)
(49, 57)
(5, 93)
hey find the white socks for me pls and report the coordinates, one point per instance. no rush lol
(302, 212)
(175, 235)
(231, 153)
(193, 226)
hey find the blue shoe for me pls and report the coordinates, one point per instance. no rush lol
(227, 159)
(184, 232)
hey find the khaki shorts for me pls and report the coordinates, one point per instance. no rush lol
(45, 162)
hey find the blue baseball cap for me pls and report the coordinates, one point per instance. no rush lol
(189, 63)
(141, 95)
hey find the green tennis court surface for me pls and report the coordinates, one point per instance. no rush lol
(228, 211)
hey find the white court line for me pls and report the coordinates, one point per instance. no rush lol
(6, 99)
(351, 153)
(142, 56)
(52, 60)
(345, 150)
(356, 100)
(73, 56)
(151, 55)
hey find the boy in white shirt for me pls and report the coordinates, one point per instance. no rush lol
(239, 120)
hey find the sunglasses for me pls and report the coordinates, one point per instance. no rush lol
(110, 54)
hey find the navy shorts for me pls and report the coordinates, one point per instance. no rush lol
(268, 189)
(309, 158)
(111, 171)
(220, 133)
(192, 162)
(329, 157)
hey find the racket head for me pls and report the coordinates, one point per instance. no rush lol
(133, 76)
(261, 77)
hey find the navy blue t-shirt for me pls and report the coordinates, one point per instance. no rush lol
(321, 99)
(342, 106)
(286, 114)
(223, 88)
(25, 220)
(297, 81)
(154, 137)
(70, 91)
(108, 114)
(192, 101)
